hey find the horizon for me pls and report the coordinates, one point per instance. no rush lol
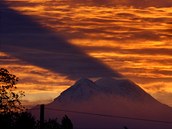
(58, 42)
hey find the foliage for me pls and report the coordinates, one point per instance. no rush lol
(52, 124)
(25, 120)
(7, 121)
(66, 123)
(14, 120)
(9, 99)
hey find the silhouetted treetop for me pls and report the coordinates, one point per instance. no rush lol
(66, 123)
(9, 98)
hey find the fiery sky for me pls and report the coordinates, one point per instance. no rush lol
(133, 38)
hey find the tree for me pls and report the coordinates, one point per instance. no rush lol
(24, 120)
(17, 120)
(52, 124)
(7, 121)
(9, 98)
(66, 123)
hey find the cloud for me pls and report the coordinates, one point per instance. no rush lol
(149, 51)
(134, 3)
(156, 87)
(126, 15)
(24, 3)
(139, 51)
(33, 43)
(164, 97)
(137, 42)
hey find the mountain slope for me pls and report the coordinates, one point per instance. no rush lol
(110, 96)
(124, 88)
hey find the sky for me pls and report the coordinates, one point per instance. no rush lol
(49, 44)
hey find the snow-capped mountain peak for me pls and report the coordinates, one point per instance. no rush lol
(85, 89)
(84, 83)
(82, 90)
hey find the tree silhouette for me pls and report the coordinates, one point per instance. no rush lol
(9, 99)
(66, 123)
(7, 121)
(14, 120)
(52, 124)
(24, 120)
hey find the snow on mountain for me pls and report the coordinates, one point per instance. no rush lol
(124, 88)
(85, 89)
(80, 91)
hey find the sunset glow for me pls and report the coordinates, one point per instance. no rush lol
(136, 42)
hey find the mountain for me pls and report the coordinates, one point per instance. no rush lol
(112, 97)
(85, 89)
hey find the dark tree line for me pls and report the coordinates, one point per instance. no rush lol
(25, 120)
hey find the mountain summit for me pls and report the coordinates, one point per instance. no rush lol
(85, 89)
(82, 90)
